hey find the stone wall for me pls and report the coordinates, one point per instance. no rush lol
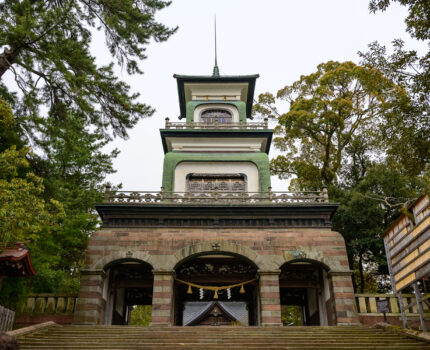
(268, 248)
(40, 308)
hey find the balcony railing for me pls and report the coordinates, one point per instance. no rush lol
(214, 197)
(199, 125)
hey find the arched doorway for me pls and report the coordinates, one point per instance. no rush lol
(304, 293)
(128, 284)
(197, 306)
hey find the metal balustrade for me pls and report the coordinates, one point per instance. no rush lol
(214, 197)
(201, 125)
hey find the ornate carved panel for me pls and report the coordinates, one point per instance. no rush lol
(216, 267)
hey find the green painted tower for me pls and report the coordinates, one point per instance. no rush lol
(216, 149)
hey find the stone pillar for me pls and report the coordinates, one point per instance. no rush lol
(90, 304)
(270, 298)
(162, 298)
(345, 308)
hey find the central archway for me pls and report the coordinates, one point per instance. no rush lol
(197, 306)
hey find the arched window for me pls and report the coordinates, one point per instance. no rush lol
(210, 116)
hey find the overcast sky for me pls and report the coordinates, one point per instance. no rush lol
(280, 40)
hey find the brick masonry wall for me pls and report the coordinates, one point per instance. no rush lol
(270, 298)
(164, 248)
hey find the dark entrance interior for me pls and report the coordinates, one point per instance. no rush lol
(130, 285)
(216, 270)
(302, 294)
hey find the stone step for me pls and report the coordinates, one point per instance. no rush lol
(206, 338)
(214, 338)
(190, 346)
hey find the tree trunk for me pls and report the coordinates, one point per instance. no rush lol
(7, 58)
(360, 268)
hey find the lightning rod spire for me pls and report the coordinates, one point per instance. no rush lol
(215, 72)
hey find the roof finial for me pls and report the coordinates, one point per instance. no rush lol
(216, 69)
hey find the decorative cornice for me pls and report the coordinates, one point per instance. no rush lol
(249, 79)
(219, 215)
(164, 215)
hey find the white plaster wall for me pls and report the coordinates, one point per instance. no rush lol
(232, 109)
(185, 168)
(216, 91)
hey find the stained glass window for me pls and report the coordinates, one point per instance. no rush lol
(222, 182)
(211, 116)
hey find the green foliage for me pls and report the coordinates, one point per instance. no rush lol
(46, 47)
(366, 210)
(13, 294)
(351, 128)
(407, 135)
(141, 315)
(68, 108)
(49, 280)
(329, 110)
(24, 214)
(418, 19)
(6, 115)
(291, 315)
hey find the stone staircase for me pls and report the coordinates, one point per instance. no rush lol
(208, 338)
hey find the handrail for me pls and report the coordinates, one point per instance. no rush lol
(217, 125)
(214, 197)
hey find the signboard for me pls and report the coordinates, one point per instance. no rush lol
(407, 244)
(383, 306)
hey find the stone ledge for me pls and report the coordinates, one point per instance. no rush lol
(339, 273)
(406, 332)
(26, 330)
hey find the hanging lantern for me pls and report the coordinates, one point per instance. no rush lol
(190, 290)
(202, 293)
(242, 290)
(228, 293)
(216, 294)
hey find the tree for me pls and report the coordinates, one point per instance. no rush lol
(74, 168)
(418, 20)
(335, 135)
(408, 138)
(24, 214)
(367, 208)
(329, 111)
(46, 46)
(68, 108)
(141, 315)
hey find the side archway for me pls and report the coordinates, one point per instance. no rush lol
(127, 290)
(122, 255)
(305, 292)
